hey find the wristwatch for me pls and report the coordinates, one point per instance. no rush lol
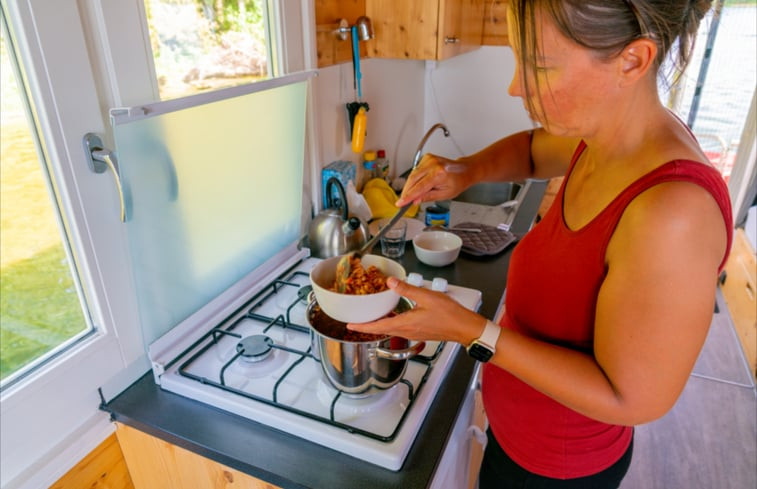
(483, 348)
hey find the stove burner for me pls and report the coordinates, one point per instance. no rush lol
(255, 348)
(304, 292)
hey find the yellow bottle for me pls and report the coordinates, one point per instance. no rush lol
(358, 131)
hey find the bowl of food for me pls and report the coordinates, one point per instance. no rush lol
(437, 248)
(366, 296)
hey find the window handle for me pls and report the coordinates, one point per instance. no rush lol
(100, 160)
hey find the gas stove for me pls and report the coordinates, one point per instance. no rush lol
(255, 359)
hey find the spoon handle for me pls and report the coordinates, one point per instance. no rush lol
(368, 246)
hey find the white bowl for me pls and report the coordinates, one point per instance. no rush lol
(355, 308)
(437, 248)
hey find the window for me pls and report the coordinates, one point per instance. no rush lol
(201, 45)
(40, 307)
(78, 60)
(713, 97)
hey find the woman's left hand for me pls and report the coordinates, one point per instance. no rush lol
(435, 317)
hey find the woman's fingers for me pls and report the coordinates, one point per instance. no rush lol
(425, 181)
(435, 316)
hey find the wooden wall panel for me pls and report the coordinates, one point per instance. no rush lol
(332, 50)
(495, 23)
(103, 468)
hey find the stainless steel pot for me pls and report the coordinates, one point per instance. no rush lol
(333, 232)
(357, 363)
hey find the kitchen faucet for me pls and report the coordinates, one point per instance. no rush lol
(436, 126)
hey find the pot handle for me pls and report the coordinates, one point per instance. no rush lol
(401, 354)
(342, 197)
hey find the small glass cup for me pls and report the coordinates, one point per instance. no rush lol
(393, 242)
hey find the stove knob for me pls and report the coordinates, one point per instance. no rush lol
(415, 279)
(439, 284)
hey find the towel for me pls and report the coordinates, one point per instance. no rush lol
(381, 199)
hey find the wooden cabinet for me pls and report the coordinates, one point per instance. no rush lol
(330, 49)
(495, 23)
(103, 468)
(155, 463)
(425, 29)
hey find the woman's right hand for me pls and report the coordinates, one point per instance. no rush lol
(435, 178)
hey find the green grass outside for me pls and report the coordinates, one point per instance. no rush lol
(39, 308)
(39, 303)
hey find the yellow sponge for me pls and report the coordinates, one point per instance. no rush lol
(381, 198)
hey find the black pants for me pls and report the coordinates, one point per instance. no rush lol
(498, 471)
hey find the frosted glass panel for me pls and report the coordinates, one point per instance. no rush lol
(211, 193)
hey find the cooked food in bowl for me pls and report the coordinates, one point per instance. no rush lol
(362, 280)
(354, 308)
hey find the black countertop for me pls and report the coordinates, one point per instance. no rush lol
(291, 462)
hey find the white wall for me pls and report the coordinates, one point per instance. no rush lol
(394, 89)
(467, 93)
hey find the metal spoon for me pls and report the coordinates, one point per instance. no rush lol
(343, 265)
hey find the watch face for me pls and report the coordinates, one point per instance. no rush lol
(480, 352)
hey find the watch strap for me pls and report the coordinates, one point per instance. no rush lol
(490, 335)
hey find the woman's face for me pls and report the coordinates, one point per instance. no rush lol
(570, 88)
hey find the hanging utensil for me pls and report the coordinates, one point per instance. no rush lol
(357, 110)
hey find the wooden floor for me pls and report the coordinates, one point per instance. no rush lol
(709, 439)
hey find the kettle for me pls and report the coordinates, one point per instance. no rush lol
(333, 232)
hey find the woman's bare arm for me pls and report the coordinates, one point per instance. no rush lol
(514, 158)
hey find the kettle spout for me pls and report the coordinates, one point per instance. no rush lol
(350, 226)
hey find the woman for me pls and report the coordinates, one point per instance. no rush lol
(610, 296)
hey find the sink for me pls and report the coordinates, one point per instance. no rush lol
(489, 193)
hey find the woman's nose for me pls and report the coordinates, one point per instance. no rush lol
(516, 86)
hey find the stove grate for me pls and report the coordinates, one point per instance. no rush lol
(212, 337)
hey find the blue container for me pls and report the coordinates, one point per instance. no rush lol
(344, 171)
(437, 215)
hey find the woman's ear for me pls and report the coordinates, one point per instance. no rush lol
(636, 59)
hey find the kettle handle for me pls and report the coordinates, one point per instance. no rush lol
(343, 198)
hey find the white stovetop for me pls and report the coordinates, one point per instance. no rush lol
(306, 389)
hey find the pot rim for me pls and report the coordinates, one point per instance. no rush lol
(404, 303)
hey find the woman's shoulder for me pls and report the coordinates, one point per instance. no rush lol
(553, 155)
(686, 207)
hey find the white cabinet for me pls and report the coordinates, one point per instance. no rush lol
(461, 458)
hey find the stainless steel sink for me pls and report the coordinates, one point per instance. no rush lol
(522, 201)
(489, 193)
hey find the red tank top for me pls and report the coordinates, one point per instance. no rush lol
(552, 285)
